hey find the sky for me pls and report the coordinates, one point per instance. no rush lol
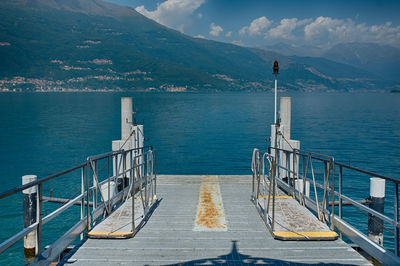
(258, 23)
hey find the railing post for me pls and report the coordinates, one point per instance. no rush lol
(326, 205)
(30, 196)
(273, 195)
(340, 195)
(333, 194)
(155, 171)
(88, 225)
(83, 195)
(95, 193)
(109, 184)
(396, 218)
(124, 169)
(377, 197)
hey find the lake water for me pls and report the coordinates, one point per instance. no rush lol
(193, 133)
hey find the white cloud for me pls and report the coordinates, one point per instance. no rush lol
(200, 15)
(327, 30)
(321, 27)
(256, 27)
(285, 29)
(228, 34)
(172, 13)
(200, 36)
(215, 30)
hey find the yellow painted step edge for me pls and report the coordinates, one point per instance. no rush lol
(276, 197)
(110, 234)
(306, 234)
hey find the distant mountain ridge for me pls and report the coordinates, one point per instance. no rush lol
(382, 60)
(96, 45)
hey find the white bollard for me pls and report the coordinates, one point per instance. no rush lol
(126, 117)
(272, 144)
(377, 197)
(298, 184)
(30, 216)
(104, 190)
(119, 164)
(294, 163)
(284, 115)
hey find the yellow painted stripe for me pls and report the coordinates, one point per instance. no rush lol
(121, 234)
(306, 234)
(276, 197)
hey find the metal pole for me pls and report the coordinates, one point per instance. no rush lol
(333, 195)
(83, 195)
(95, 193)
(87, 196)
(30, 212)
(276, 102)
(340, 195)
(325, 206)
(109, 184)
(273, 182)
(396, 219)
(124, 170)
(155, 173)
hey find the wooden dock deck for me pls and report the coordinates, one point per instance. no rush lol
(178, 233)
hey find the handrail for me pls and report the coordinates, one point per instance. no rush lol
(69, 170)
(126, 166)
(291, 170)
(304, 153)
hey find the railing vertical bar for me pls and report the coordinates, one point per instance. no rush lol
(95, 185)
(340, 195)
(396, 218)
(302, 165)
(124, 170)
(132, 192)
(87, 196)
(273, 196)
(287, 168)
(109, 185)
(155, 172)
(333, 195)
(324, 206)
(83, 196)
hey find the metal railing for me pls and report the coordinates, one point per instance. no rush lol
(326, 198)
(130, 171)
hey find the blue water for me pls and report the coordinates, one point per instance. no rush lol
(193, 133)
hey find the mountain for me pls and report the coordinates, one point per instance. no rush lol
(382, 60)
(96, 45)
(293, 49)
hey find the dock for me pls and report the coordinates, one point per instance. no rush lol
(280, 213)
(177, 232)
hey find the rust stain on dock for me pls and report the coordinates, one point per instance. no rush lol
(210, 211)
